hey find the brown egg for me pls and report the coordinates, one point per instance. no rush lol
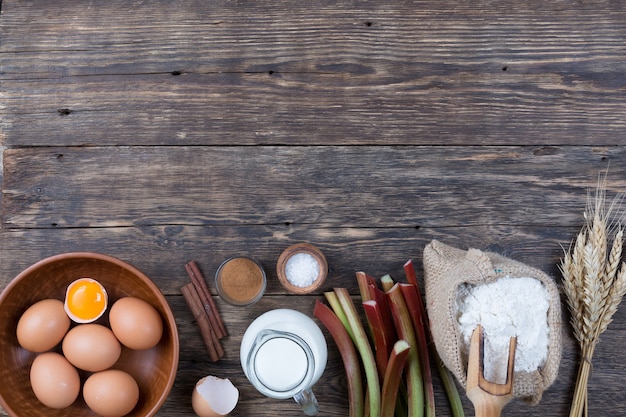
(42, 326)
(111, 393)
(135, 323)
(91, 347)
(214, 397)
(54, 380)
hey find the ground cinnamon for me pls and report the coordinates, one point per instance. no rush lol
(241, 281)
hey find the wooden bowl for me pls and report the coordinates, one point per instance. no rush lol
(153, 369)
(305, 248)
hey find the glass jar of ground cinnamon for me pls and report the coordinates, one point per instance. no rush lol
(240, 281)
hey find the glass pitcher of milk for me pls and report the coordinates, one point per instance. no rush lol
(283, 354)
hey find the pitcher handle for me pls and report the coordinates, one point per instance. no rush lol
(307, 401)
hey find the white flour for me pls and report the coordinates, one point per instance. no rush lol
(506, 307)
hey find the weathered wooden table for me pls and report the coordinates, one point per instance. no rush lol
(160, 132)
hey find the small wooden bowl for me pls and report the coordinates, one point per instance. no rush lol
(153, 369)
(292, 250)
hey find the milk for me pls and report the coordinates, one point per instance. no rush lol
(283, 354)
(281, 364)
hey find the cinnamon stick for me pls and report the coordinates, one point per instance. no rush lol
(208, 334)
(207, 301)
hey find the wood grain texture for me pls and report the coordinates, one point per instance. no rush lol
(165, 131)
(391, 186)
(394, 72)
(162, 251)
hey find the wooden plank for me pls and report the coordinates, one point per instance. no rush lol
(161, 251)
(390, 73)
(251, 109)
(332, 186)
(302, 39)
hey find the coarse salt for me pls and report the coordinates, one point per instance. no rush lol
(302, 269)
(504, 308)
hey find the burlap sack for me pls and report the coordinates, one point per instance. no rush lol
(445, 269)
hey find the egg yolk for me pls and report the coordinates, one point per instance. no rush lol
(86, 300)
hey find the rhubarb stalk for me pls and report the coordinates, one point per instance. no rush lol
(365, 350)
(381, 298)
(449, 385)
(332, 299)
(404, 327)
(444, 373)
(383, 343)
(411, 298)
(365, 281)
(386, 282)
(348, 353)
(393, 375)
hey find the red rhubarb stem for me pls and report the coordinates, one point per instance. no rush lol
(381, 298)
(382, 342)
(393, 375)
(404, 327)
(446, 376)
(348, 353)
(411, 298)
(409, 272)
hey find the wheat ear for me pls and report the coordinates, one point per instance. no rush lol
(594, 282)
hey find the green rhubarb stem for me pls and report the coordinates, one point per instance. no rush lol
(348, 353)
(332, 299)
(449, 385)
(404, 327)
(364, 280)
(446, 376)
(364, 349)
(393, 375)
(411, 299)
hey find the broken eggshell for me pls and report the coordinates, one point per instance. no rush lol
(214, 397)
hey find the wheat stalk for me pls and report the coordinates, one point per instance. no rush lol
(594, 281)
(618, 290)
(573, 272)
(615, 257)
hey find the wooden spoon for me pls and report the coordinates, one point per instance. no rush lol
(489, 398)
